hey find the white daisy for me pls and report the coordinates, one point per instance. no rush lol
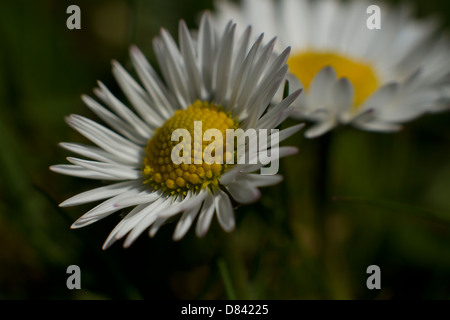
(373, 79)
(216, 79)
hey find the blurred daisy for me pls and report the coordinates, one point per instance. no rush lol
(374, 79)
(225, 83)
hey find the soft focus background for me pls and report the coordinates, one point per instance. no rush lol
(377, 199)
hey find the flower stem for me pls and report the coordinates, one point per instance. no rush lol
(322, 185)
(226, 278)
(232, 269)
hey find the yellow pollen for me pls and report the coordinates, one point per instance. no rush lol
(159, 170)
(306, 65)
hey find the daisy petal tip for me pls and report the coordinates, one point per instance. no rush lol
(294, 151)
(133, 48)
(177, 236)
(344, 81)
(71, 159)
(54, 168)
(127, 243)
(183, 24)
(329, 71)
(256, 198)
(310, 134)
(230, 228)
(299, 126)
(76, 225)
(64, 204)
(115, 65)
(297, 92)
(200, 233)
(68, 119)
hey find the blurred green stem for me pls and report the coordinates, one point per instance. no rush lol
(232, 269)
(226, 278)
(334, 282)
(322, 176)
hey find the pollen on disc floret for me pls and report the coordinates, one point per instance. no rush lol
(161, 172)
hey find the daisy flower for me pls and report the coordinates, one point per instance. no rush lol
(220, 81)
(374, 79)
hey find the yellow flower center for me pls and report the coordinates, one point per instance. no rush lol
(306, 65)
(161, 172)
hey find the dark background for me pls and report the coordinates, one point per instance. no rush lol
(378, 199)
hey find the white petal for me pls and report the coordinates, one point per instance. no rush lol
(102, 210)
(296, 15)
(91, 152)
(143, 197)
(240, 54)
(116, 170)
(377, 126)
(140, 212)
(123, 111)
(278, 113)
(261, 180)
(223, 71)
(342, 95)
(261, 15)
(241, 78)
(263, 95)
(282, 152)
(224, 210)
(145, 223)
(207, 51)
(322, 83)
(205, 217)
(243, 192)
(114, 234)
(137, 96)
(80, 172)
(99, 193)
(185, 222)
(114, 121)
(381, 97)
(189, 55)
(262, 58)
(162, 98)
(106, 139)
(320, 128)
(170, 61)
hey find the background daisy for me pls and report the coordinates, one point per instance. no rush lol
(374, 79)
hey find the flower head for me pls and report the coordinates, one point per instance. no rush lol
(374, 79)
(168, 155)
